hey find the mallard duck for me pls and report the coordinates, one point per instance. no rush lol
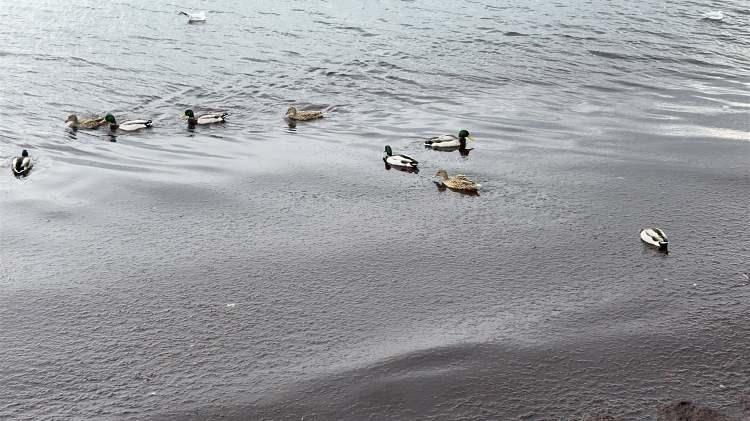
(21, 165)
(398, 160)
(87, 123)
(655, 237)
(458, 182)
(293, 114)
(126, 126)
(449, 141)
(197, 17)
(208, 118)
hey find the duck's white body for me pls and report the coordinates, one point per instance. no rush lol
(401, 161)
(21, 166)
(449, 142)
(211, 118)
(655, 237)
(443, 142)
(197, 17)
(716, 15)
(133, 125)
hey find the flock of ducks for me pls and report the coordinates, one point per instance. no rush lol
(446, 143)
(21, 166)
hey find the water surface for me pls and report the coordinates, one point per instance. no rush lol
(253, 270)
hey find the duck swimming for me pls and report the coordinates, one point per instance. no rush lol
(458, 182)
(203, 119)
(716, 15)
(655, 237)
(126, 126)
(21, 165)
(401, 161)
(197, 17)
(87, 123)
(449, 141)
(293, 114)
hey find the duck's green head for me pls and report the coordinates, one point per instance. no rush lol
(109, 118)
(24, 153)
(464, 134)
(189, 114)
(388, 150)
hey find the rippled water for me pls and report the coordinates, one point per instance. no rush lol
(255, 270)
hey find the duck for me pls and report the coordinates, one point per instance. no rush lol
(715, 15)
(127, 126)
(197, 17)
(458, 182)
(655, 237)
(398, 160)
(449, 141)
(87, 123)
(21, 165)
(203, 119)
(293, 114)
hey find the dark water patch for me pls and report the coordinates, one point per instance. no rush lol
(451, 380)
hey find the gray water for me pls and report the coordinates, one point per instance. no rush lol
(257, 271)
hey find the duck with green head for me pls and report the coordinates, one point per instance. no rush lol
(449, 141)
(126, 126)
(401, 161)
(204, 119)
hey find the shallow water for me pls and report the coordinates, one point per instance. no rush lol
(253, 270)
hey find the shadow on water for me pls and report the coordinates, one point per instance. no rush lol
(413, 170)
(437, 383)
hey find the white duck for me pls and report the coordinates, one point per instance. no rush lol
(716, 15)
(655, 237)
(449, 141)
(126, 126)
(203, 119)
(399, 160)
(197, 17)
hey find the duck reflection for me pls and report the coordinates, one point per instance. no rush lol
(412, 170)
